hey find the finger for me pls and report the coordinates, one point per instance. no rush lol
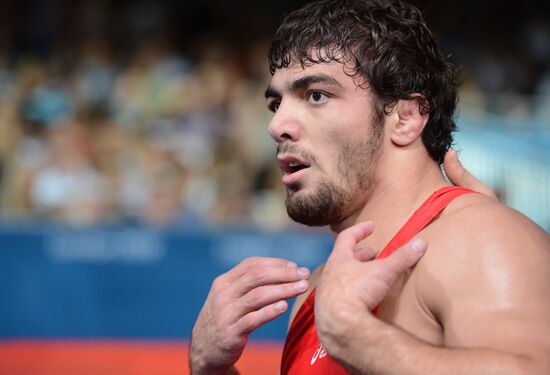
(254, 262)
(364, 254)
(460, 176)
(265, 276)
(348, 239)
(256, 319)
(263, 296)
(403, 259)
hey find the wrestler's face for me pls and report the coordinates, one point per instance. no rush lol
(328, 141)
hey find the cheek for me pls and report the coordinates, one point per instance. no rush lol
(332, 145)
(340, 142)
(332, 154)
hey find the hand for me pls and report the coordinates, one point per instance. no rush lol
(459, 176)
(353, 284)
(241, 300)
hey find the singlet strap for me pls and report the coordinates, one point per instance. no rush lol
(423, 216)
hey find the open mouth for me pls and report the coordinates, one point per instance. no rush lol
(290, 165)
(294, 167)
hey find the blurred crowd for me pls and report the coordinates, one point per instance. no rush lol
(164, 135)
(159, 140)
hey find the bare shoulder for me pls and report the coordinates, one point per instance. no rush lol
(476, 226)
(485, 260)
(301, 298)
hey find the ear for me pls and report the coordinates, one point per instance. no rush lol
(412, 116)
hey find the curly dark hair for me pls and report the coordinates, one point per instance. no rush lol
(384, 43)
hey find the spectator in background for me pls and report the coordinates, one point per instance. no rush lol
(68, 187)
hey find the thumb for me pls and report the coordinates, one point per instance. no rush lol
(348, 239)
(460, 176)
(404, 258)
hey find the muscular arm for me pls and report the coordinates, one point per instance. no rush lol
(394, 351)
(487, 281)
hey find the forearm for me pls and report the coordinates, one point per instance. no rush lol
(378, 348)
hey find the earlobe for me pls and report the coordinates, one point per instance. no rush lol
(411, 119)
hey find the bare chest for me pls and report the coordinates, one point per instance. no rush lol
(404, 308)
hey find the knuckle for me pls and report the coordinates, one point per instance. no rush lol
(290, 274)
(257, 274)
(250, 262)
(257, 296)
(391, 274)
(247, 323)
(388, 268)
(231, 340)
(410, 257)
(277, 291)
(401, 264)
(219, 283)
(250, 300)
(245, 262)
(254, 260)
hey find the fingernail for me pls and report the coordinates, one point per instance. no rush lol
(419, 245)
(301, 285)
(280, 306)
(291, 264)
(303, 272)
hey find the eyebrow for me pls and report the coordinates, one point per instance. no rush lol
(302, 83)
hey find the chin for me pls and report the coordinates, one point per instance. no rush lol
(307, 220)
(324, 206)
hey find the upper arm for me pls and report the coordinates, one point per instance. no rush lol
(487, 280)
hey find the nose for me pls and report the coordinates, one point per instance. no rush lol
(285, 124)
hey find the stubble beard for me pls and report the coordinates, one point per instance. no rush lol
(333, 201)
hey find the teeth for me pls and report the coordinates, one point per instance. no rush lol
(292, 165)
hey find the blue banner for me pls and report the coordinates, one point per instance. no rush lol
(129, 282)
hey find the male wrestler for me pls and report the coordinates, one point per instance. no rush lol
(363, 103)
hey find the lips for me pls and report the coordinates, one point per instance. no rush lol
(291, 164)
(292, 168)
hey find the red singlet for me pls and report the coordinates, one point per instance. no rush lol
(303, 353)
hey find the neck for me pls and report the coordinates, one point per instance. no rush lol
(400, 187)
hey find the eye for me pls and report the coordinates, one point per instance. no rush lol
(273, 106)
(317, 97)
